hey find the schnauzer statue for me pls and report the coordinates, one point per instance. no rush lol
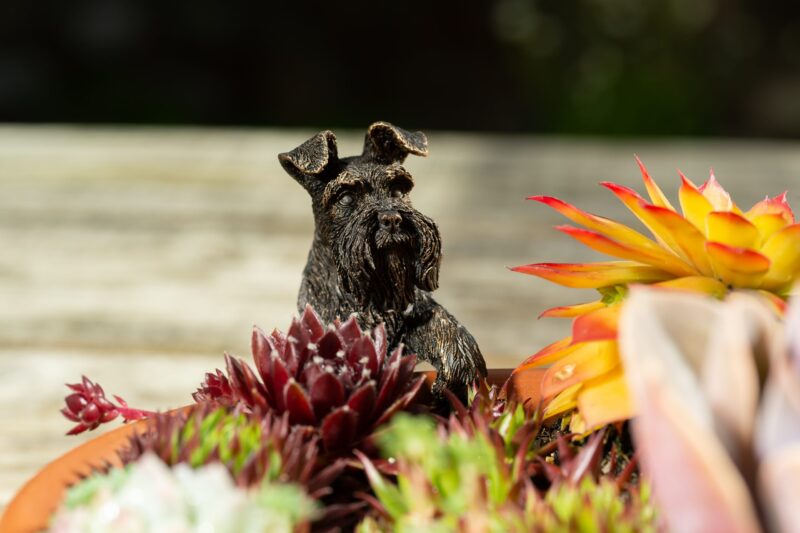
(374, 255)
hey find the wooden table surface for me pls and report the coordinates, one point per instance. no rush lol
(137, 256)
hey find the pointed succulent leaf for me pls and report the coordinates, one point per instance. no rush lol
(610, 228)
(571, 311)
(717, 196)
(406, 371)
(687, 241)
(339, 428)
(277, 379)
(639, 207)
(76, 402)
(69, 414)
(90, 414)
(362, 401)
(772, 206)
(330, 345)
(739, 267)
(323, 479)
(656, 257)
(587, 462)
(215, 387)
(312, 324)
(389, 495)
(314, 370)
(261, 349)
(296, 333)
(731, 229)
(605, 400)
(246, 383)
(349, 330)
(782, 250)
(699, 284)
(368, 351)
(653, 190)
(326, 393)
(594, 275)
(402, 402)
(388, 383)
(277, 341)
(361, 355)
(78, 429)
(381, 343)
(597, 325)
(298, 405)
(547, 355)
(694, 205)
(238, 378)
(587, 361)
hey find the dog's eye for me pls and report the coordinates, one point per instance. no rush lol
(397, 193)
(346, 199)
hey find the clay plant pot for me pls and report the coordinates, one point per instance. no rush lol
(30, 509)
(32, 506)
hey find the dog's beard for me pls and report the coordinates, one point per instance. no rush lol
(387, 241)
(385, 267)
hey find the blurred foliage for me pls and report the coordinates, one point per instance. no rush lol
(149, 496)
(461, 482)
(588, 66)
(676, 66)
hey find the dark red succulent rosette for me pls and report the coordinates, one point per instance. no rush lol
(338, 379)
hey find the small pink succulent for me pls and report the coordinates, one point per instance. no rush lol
(89, 407)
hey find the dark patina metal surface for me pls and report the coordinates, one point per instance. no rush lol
(373, 254)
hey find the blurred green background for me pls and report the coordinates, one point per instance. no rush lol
(612, 67)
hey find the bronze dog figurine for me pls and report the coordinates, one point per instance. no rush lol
(374, 255)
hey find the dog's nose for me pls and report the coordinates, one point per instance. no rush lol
(390, 220)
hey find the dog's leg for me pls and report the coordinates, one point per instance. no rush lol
(439, 339)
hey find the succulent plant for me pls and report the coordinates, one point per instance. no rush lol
(709, 246)
(149, 496)
(544, 453)
(252, 447)
(590, 506)
(464, 481)
(89, 407)
(504, 422)
(338, 379)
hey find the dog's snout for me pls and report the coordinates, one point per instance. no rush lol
(390, 220)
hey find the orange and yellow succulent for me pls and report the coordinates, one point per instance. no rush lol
(710, 246)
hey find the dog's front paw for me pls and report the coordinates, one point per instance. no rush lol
(461, 364)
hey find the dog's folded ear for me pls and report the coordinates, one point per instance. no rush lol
(389, 144)
(310, 158)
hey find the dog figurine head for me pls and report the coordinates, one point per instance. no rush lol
(382, 247)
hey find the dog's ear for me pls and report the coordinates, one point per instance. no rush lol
(389, 144)
(309, 160)
(429, 252)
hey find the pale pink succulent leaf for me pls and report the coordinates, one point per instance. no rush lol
(779, 484)
(696, 483)
(739, 339)
(778, 422)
